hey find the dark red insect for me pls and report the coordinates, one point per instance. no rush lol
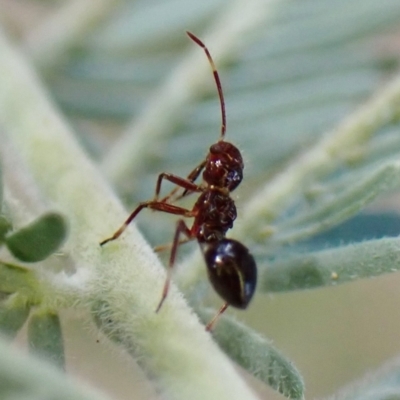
(231, 268)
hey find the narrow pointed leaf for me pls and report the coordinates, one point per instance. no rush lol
(341, 205)
(38, 240)
(45, 337)
(257, 355)
(331, 267)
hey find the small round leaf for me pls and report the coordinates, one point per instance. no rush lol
(38, 240)
(12, 317)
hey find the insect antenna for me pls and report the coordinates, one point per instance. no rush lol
(217, 81)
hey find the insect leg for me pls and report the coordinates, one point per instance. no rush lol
(185, 183)
(181, 227)
(166, 246)
(211, 324)
(191, 177)
(154, 205)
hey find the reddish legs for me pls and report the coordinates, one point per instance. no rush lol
(159, 205)
(181, 228)
(163, 247)
(232, 270)
(191, 178)
(154, 205)
(187, 184)
(211, 324)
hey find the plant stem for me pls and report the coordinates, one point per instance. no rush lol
(124, 279)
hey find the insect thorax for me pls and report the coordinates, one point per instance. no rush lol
(216, 212)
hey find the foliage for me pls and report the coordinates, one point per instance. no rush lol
(141, 100)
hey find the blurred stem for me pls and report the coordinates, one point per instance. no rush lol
(24, 377)
(49, 42)
(121, 283)
(185, 82)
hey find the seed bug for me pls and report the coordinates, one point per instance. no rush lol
(231, 268)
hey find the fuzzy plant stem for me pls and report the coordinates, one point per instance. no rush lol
(122, 281)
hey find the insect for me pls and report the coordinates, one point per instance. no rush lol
(231, 268)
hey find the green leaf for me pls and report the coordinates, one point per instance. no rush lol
(13, 316)
(45, 337)
(256, 354)
(23, 377)
(5, 227)
(17, 279)
(38, 240)
(340, 201)
(331, 267)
